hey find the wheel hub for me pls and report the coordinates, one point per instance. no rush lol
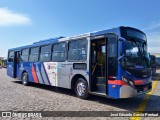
(81, 88)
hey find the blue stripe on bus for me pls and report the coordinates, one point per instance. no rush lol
(44, 75)
(39, 74)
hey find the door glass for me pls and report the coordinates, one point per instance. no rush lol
(11, 56)
(112, 56)
(103, 49)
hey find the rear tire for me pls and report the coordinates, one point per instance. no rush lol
(25, 79)
(81, 89)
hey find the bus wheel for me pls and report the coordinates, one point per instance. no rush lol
(81, 88)
(25, 79)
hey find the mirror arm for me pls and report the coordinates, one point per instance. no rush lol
(121, 39)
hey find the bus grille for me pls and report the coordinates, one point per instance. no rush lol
(140, 73)
(140, 88)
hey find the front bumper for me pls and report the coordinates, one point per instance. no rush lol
(127, 91)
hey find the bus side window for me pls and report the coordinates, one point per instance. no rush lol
(59, 52)
(82, 49)
(77, 50)
(45, 55)
(72, 52)
(34, 54)
(11, 56)
(25, 55)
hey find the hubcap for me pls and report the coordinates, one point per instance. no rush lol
(81, 88)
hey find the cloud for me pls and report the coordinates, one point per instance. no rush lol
(153, 26)
(9, 18)
(154, 42)
(153, 35)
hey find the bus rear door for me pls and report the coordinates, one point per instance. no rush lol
(13, 64)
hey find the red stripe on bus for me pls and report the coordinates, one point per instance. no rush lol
(117, 82)
(138, 82)
(34, 75)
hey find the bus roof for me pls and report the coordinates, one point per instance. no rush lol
(59, 39)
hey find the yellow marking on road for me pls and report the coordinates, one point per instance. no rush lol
(143, 104)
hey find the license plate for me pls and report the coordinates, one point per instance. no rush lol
(145, 88)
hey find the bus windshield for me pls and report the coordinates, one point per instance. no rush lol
(136, 55)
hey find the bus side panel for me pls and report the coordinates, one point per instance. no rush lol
(64, 71)
(33, 73)
(10, 68)
(44, 74)
(36, 72)
(20, 71)
(26, 67)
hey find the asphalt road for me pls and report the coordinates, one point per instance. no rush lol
(16, 97)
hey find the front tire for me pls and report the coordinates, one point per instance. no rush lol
(81, 88)
(25, 79)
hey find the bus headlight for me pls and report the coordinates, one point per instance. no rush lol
(125, 79)
(131, 83)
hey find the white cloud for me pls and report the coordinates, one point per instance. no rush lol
(153, 26)
(8, 18)
(153, 34)
(154, 42)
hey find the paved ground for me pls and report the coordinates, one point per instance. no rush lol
(14, 96)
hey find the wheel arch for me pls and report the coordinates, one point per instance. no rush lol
(24, 71)
(75, 78)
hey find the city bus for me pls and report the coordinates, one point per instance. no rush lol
(113, 63)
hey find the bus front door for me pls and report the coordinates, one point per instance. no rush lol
(98, 66)
(102, 64)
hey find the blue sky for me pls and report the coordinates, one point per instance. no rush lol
(23, 22)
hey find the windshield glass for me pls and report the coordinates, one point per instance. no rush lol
(136, 55)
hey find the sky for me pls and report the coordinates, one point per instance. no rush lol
(23, 22)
